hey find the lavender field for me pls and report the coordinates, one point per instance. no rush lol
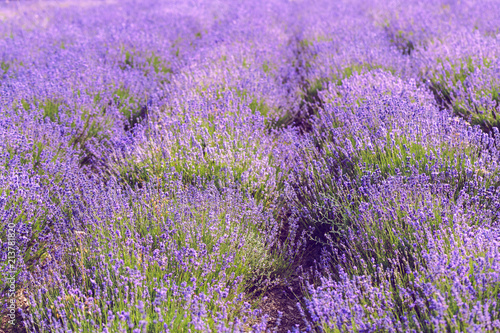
(250, 166)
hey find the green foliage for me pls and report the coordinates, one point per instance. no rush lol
(35, 212)
(51, 109)
(145, 61)
(329, 207)
(259, 106)
(4, 66)
(265, 67)
(399, 155)
(390, 241)
(393, 271)
(311, 100)
(31, 156)
(285, 119)
(206, 169)
(158, 65)
(403, 41)
(35, 251)
(256, 105)
(86, 125)
(127, 104)
(128, 60)
(203, 230)
(453, 78)
(360, 69)
(94, 128)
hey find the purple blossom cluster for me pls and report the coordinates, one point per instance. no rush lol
(165, 165)
(455, 48)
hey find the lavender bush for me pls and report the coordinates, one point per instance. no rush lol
(276, 166)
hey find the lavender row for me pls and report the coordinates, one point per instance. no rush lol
(401, 195)
(163, 163)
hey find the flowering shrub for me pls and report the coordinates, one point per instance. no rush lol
(249, 166)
